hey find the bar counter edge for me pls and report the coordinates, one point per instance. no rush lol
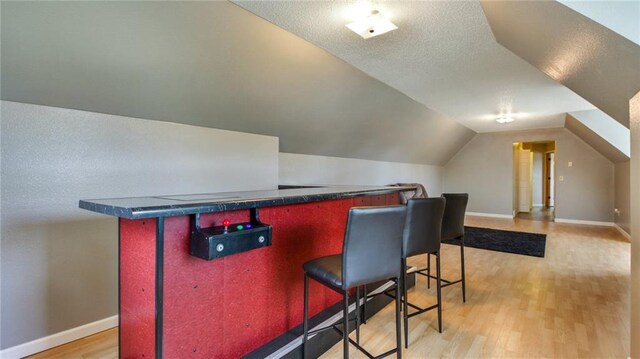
(174, 205)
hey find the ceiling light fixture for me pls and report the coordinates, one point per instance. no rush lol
(373, 25)
(504, 119)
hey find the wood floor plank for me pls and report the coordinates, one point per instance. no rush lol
(572, 303)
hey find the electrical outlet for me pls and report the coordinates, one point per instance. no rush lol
(561, 178)
(570, 164)
(617, 212)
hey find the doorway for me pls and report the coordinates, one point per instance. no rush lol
(534, 180)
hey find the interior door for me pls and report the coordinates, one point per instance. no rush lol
(525, 177)
(552, 186)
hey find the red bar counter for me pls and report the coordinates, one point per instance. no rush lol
(175, 305)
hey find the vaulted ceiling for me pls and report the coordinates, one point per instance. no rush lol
(416, 94)
(443, 54)
(596, 140)
(594, 61)
(217, 65)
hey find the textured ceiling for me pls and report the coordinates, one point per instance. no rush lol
(594, 140)
(592, 60)
(217, 65)
(621, 16)
(443, 55)
(606, 127)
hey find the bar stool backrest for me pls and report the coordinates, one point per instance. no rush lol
(454, 211)
(423, 226)
(418, 192)
(372, 245)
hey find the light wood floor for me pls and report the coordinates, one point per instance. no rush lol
(539, 214)
(103, 345)
(572, 303)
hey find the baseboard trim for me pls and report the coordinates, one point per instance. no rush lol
(491, 215)
(52, 341)
(579, 221)
(624, 233)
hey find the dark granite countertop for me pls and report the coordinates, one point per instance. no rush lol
(177, 205)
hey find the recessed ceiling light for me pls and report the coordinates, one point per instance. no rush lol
(373, 25)
(504, 119)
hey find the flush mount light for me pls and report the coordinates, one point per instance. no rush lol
(504, 119)
(373, 25)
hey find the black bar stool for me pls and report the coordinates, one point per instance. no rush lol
(370, 253)
(452, 233)
(422, 236)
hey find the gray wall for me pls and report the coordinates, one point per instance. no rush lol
(483, 168)
(623, 195)
(308, 169)
(216, 65)
(58, 263)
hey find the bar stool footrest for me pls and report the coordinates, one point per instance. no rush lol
(332, 326)
(420, 310)
(448, 283)
(365, 352)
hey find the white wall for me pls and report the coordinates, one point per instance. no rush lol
(307, 170)
(58, 263)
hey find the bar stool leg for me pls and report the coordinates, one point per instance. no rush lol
(398, 331)
(357, 315)
(428, 270)
(405, 300)
(439, 292)
(364, 305)
(464, 289)
(305, 320)
(345, 325)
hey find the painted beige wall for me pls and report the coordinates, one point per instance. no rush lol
(623, 195)
(483, 168)
(306, 169)
(58, 262)
(635, 225)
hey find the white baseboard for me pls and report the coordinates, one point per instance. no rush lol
(538, 205)
(578, 221)
(52, 341)
(491, 215)
(623, 232)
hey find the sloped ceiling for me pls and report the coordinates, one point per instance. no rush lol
(213, 64)
(443, 54)
(594, 140)
(590, 59)
(607, 128)
(621, 16)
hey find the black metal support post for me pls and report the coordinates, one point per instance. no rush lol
(159, 284)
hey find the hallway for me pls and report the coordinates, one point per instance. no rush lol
(546, 214)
